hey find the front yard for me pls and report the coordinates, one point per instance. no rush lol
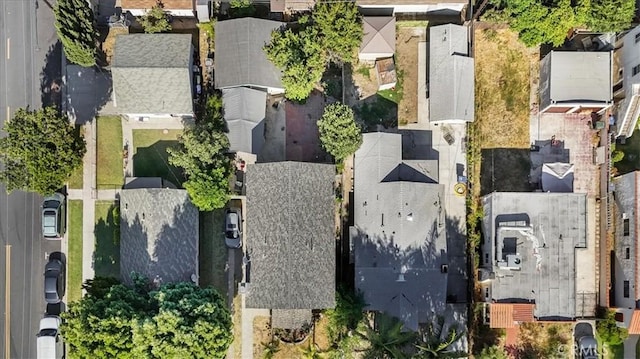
(74, 255)
(150, 157)
(75, 180)
(109, 166)
(106, 256)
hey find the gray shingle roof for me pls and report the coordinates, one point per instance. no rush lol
(158, 234)
(244, 111)
(152, 74)
(627, 201)
(539, 233)
(290, 235)
(240, 58)
(451, 74)
(398, 234)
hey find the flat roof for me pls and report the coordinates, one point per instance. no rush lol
(580, 76)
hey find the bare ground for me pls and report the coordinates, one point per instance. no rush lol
(108, 44)
(261, 335)
(407, 39)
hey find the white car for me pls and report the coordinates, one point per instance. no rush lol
(233, 228)
(49, 343)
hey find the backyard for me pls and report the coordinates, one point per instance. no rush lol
(150, 157)
(109, 166)
(263, 340)
(74, 255)
(631, 149)
(106, 257)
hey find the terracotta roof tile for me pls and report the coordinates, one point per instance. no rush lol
(508, 315)
(634, 326)
(167, 4)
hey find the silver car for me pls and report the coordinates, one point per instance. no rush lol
(53, 216)
(233, 228)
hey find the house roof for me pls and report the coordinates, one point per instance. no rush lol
(406, 2)
(240, 59)
(152, 74)
(508, 315)
(244, 111)
(634, 326)
(291, 318)
(627, 200)
(575, 76)
(557, 177)
(532, 238)
(158, 234)
(290, 235)
(166, 4)
(399, 245)
(379, 35)
(451, 74)
(291, 5)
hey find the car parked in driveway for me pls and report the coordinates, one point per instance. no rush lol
(233, 228)
(53, 274)
(53, 216)
(586, 345)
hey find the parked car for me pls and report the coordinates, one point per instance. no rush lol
(586, 344)
(49, 343)
(233, 228)
(53, 216)
(53, 281)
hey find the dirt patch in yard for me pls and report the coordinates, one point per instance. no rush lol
(407, 39)
(110, 41)
(261, 335)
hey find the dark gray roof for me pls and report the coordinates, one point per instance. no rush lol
(575, 77)
(152, 74)
(244, 111)
(291, 318)
(530, 242)
(557, 177)
(158, 234)
(290, 235)
(451, 74)
(627, 202)
(240, 59)
(398, 234)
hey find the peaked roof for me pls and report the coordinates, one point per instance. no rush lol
(379, 35)
(557, 177)
(508, 315)
(290, 235)
(634, 326)
(151, 74)
(148, 4)
(244, 111)
(240, 59)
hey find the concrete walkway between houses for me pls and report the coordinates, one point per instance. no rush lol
(247, 327)
(630, 346)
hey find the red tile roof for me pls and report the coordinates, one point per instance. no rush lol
(508, 315)
(634, 326)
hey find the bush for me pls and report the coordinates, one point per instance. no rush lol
(608, 330)
(617, 156)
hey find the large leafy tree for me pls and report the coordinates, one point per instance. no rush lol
(175, 321)
(202, 154)
(434, 342)
(41, 150)
(155, 20)
(611, 15)
(340, 135)
(386, 338)
(340, 26)
(76, 29)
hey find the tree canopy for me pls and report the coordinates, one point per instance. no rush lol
(155, 20)
(340, 135)
(340, 27)
(41, 150)
(178, 320)
(202, 154)
(76, 29)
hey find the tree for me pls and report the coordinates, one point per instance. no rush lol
(492, 352)
(340, 135)
(432, 344)
(41, 150)
(608, 330)
(76, 29)
(241, 8)
(386, 338)
(611, 15)
(202, 154)
(347, 314)
(155, 20)
(340, 26)
(177, 320)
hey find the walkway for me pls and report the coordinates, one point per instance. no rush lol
(248, 314)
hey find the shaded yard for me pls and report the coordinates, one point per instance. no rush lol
(505, 170)
(150, 157)
(106, 258)
(75, 180)
(631, 149)
(109, 173)
(74, 255)
(213, 252)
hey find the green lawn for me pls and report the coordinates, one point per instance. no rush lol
(75, 181)
(395, 94)
(631, 149)
(150, 157)
(109, 165)
(213, 252)
(74, 256)
(107, 230)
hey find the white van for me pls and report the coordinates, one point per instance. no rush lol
(49, 342)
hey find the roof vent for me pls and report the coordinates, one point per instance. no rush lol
(410, 217)
(400, 278)
(444, 268)
(625, 215)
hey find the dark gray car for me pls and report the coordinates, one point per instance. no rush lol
(53, 281)
(53, 216)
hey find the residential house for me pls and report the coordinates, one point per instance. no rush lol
(451, 75)
(528, 256)
(153, 76)
(290, 240)
(178, 8)
(240, 58)
(412, 7)
(244, 112)
(379, 39)
(572, 81)
(289, 6)
(399, 235)
(158, 232)
(626, 289)
(628, 65)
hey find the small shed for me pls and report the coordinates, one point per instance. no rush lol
(379, 38)
(386, 73)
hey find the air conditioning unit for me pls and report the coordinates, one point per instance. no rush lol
(625, 215)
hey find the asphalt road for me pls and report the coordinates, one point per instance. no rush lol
(27, 36)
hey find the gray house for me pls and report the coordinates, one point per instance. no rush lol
(398, 237)
(152, 76)
(244, 112)
(240, 59)
(451, 75)
(290, 240)
(528, 257)
(158, 232)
